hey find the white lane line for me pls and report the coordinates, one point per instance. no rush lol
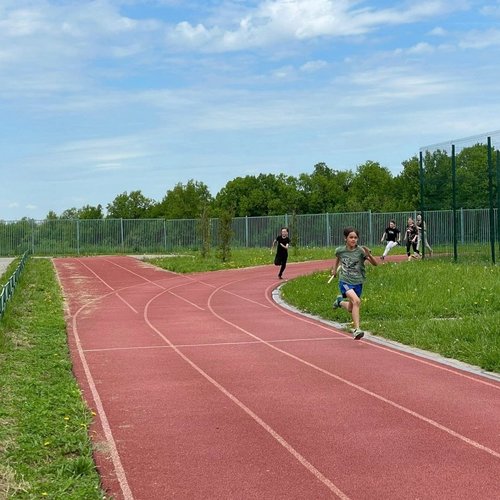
(220, 344)
(302, 460)
(402, 408)
(415, 357)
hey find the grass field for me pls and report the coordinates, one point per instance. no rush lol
(45, 450)
(450, 309)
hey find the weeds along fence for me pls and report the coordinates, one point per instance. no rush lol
(8, 288)
(142, 236)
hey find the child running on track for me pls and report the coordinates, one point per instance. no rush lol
(283, 242)
(392, 235)
(351, 258)
(411, 236)
(422, 235)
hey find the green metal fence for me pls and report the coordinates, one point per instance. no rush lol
(464, 173)
(142, 236)
(8, 288)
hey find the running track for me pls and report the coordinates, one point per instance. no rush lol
(204, 388)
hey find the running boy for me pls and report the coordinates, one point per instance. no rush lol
(393, 237)
(351, 258)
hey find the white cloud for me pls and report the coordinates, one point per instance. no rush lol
(313, 66)
(277, 21)
(438, 31)
(491, 10)
(421, 48)
(481, 39)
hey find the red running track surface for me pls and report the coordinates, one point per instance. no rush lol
(204, 388)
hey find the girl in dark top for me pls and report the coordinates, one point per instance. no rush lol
(283, 242)
(411, 237)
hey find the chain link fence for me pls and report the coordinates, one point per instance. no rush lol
(157, 236)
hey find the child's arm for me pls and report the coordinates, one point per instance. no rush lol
(383, 238)
(272, 246)
(369, 256)
(333, 271)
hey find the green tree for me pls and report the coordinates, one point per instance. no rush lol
(265, 194)
(70, 213)
(407, 186)
(90, 212)
(437, 180)
(184, 201)
(205, 230)
(472, 177)
(325, 190)
(51, 215)
(130, 206)
(372, 188)
(225, 235)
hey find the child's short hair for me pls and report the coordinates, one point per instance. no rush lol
(348, 230)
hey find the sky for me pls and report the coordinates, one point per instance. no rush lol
(98, 98)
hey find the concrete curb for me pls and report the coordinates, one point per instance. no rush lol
(459, 365)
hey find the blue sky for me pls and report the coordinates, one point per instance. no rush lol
(102, 97)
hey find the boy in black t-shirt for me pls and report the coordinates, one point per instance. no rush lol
(392, 235)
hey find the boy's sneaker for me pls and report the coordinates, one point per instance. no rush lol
(357, 334)
(337, 301)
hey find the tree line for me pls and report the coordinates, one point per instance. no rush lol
(325, 190)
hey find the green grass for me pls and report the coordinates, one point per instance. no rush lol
(447, 308)
(190, 262)
(45, 450)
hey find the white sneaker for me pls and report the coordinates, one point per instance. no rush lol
(357, 334)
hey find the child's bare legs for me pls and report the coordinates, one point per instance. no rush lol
(352, 306)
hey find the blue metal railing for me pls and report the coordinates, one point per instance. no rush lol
(8, 288)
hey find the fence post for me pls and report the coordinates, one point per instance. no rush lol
(462, 226)
(32, 236)
(370, 228)
(454, 200)
(490, 189)
(122, 235)
(246, 231)
(422, 200)
(498, 198)
(78, 236)
(328, 229)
